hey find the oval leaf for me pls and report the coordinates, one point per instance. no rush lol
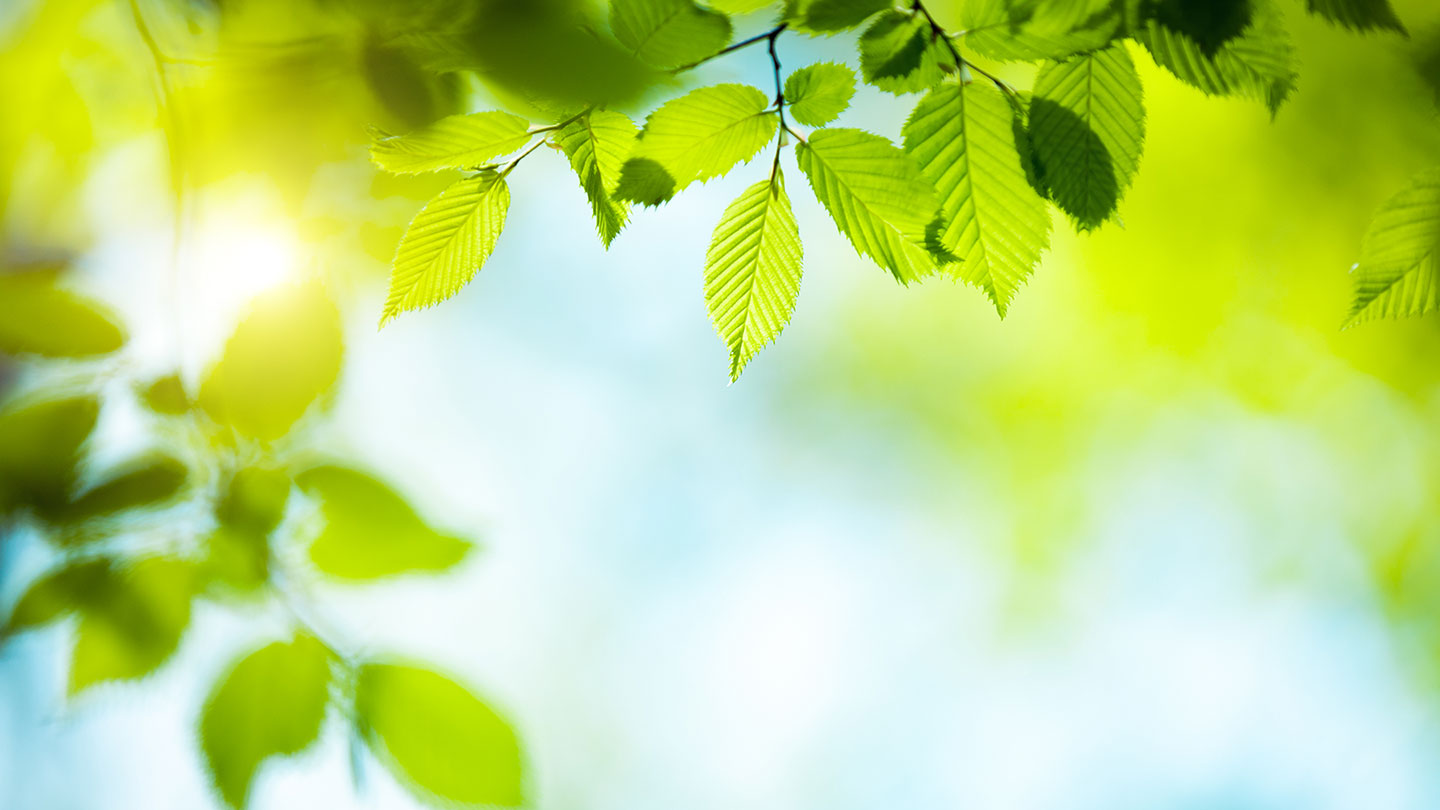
(818, 93)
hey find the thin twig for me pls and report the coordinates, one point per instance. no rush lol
(770, 35)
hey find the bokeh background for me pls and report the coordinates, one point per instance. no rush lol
(1165, 537)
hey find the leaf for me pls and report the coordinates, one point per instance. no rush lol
(144, 483)
(1087, 127)
(1361, 15)
(668, 33)
(899, 53)
(1258, 62)
(825, 16)
(818, 93)
(1400, 257)
(597, 145)
(876, 195)
(1042, 29)
(40, 442)
(966, 141)
(252, 506)
(752, 271)
(58, 594)
(437, 738)
(447, 243)
(703, 134)
(166, 395)
(284, 355)
(132, 623)
(454, 142)
(370, 531)
(271, 703)
(37, 317)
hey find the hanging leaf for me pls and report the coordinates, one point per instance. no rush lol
(1257, 61)
(1399, 270)
(453, 142)
(899, 53)
(668, 33)
(597, 145)
(875, 194)
(40, 443)
(703, 134)
(447, 243)
(370, 531)
(817, 94)
(752, 271)
(439, 740)
(281, 359)
(37, 317)
(132, 621)
(1041, 29)
(1087, 126)
(271, 703)
(825, 16)
(965, 140)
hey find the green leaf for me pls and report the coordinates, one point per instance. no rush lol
(252, 506)
(40, 442)
(1087, 127)
(1257, 62)
(438, 739)
(284, 355)
(1006, 30)
(752, 271)
(271, 703)
(826, 16)
(454, 142)
(144, 483)
(597, 145)
(900, 54)
(1361, 15)
(740, 6)
(818, 93)
(37, 317)
(1398, 274)
(876, 195)
(58, 594)
(370, 531)
(166, 395)
(668, 33)
(967, 142)
(703, 134)
(447, 243)
(132, 623)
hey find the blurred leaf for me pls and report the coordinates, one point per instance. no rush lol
(1087, 126)
(132, 622)
(1361, 15)
(1257, 61)
(752, 271)
(899, 53)
(166, 395)
(668, 33)
(37, 317)
(59, 593)
(412, 94)
(271, 703)
(1041, 29)
(370, 531)
(597, 145)
(817, 94)
(144, 483)
(456, 142)
(740, 6)
(447, 243)
(703, 134)
(40, 450)
(283, 356)
(255, 499)
(964, 138)
(876, 195)
(1400, 259)
(821, 16)
(438, 739)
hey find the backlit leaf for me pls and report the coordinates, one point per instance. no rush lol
(818, 93)
(440, 740)
(40, 443)
(1040, 29)
(668, 33)
(1257, 61)
(597, 145)
(370, 531)
(876, 195)
(132, 623)
(965, 140)
(271, 703)
(453, 142)
(752, 271)
(38, 317)
(899, 53)
(1399, 270)
(447, 243)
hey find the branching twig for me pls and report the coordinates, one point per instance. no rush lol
(770, 35)
(960, 62)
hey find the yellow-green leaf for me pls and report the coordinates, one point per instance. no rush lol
(818, 93)
(1398, 274)
(597, 145)
(38, 317)
(668, 33)
(454, 142)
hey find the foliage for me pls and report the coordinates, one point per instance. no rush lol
(967, 197)
(216, 511)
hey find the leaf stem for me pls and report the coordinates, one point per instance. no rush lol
(770, 35)
(516, 162)
(775, 63)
